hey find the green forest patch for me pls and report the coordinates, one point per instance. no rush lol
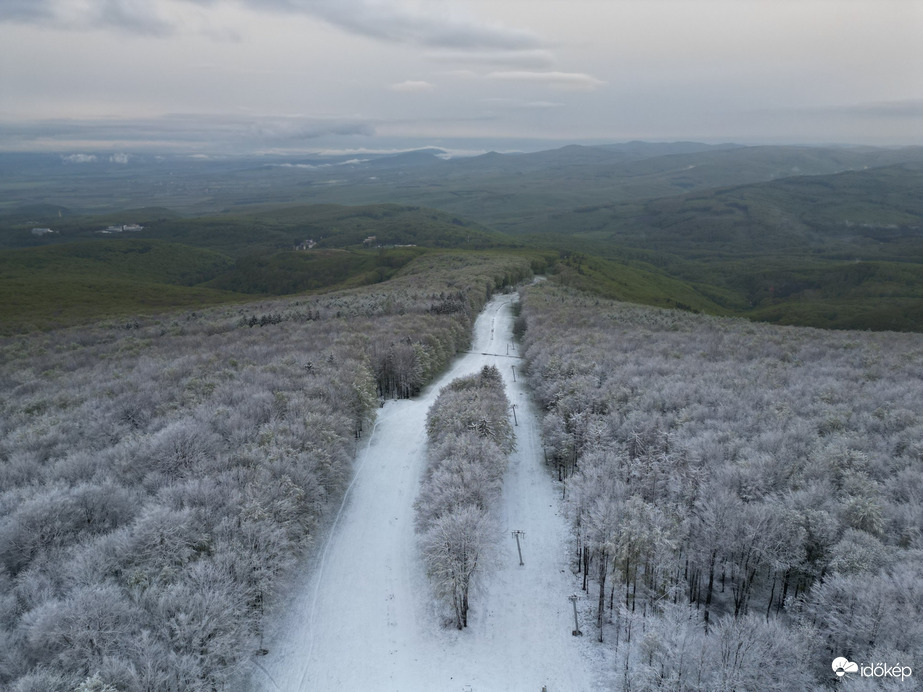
(77, 282)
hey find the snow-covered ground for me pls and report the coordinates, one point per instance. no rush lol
(365, 619)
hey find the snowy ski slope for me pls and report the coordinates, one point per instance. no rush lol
(365, 619)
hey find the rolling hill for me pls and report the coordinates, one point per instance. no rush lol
(824, 236)
(77, 274)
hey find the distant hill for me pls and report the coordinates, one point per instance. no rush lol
(639, 150)
(827, 236)
(77, 273)
(842, 250)
(514, 192)
(504, 191)
(418, 157)
(874, 213)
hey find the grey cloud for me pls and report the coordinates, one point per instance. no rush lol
(519, 103)
(567, 81)
(389, 21)
(385, 20)
(137, 16)
(186, 132)
(25, 10)
(288, 130)
(889, 109)
(532, 59)
(80, 158)
(411, 86)
(133, 15)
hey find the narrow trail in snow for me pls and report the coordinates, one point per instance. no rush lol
(365, 619)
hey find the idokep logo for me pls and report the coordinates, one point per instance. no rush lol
(841, 666)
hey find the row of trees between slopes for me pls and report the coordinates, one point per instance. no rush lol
(740, 494)
(160, 477)
(470, 439)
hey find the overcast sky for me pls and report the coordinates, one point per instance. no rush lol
(289, 75)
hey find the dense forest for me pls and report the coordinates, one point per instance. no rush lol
(470, 438)
(160, 476)
(745, 499)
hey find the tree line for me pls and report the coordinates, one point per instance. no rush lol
(738, 493)
(470, 439)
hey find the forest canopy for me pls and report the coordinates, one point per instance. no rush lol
(159, 477)
(734, 485)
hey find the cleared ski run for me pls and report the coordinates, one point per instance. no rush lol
(364, 618)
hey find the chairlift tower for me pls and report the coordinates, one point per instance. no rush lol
(516, 535)
(573, 599)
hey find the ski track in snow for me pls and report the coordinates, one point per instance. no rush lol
(365, 618)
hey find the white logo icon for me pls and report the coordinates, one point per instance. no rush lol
(841, 666)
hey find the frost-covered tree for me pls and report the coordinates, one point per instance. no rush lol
(453, 547)
(743, 473)
(470, 438)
